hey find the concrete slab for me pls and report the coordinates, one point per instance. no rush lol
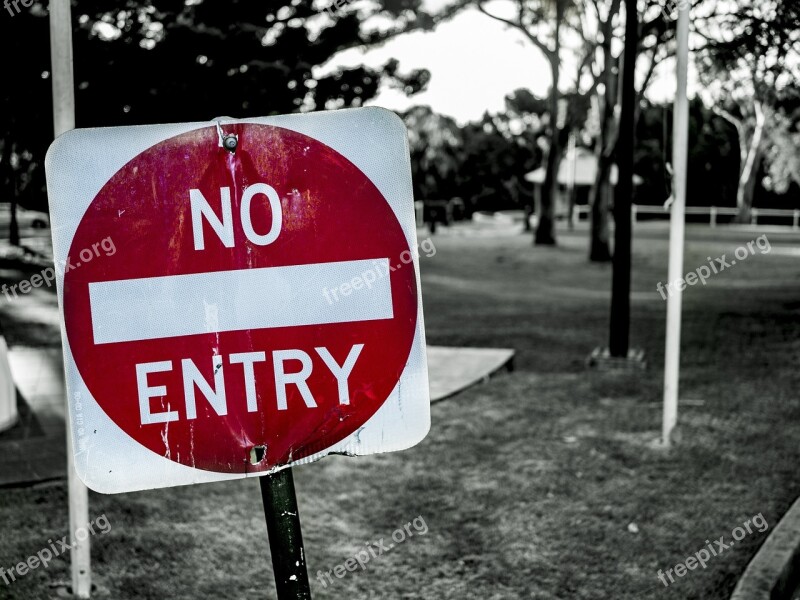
(39, 375)
(35, 449)
(452, 370)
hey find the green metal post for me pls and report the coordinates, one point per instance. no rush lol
(285, 538)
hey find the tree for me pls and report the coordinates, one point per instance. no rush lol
(524, 119)
(587, 30)
(26, 117)
(542, 23)
(496, 156)
(749, 62)
(713, 154)
(654, 35)
(484, 162)
(621, 276)
(783, 153)
(599, 197)
(234, 57)
(172, 60)
(436, 143)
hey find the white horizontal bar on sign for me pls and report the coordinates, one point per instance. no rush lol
(178, 305)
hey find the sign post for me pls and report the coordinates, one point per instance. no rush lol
(63, 121)
(285, 538)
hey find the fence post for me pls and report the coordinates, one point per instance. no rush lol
(754, 216)
(713, 216)
(634, 212)
(796, 219)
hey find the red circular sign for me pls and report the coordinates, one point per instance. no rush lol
(331, 212)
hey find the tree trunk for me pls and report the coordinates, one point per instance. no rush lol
(599, 248)
(746, 189)
(619, 335)
(9, 191)
(600, 194)
(545, 228)
(526, 226)
(13, 226)
(571, 191)
(751, 163)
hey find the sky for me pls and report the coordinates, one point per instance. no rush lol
(474, 63)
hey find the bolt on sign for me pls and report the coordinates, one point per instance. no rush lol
(204, 348)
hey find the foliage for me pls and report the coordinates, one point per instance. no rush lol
(435, 142)
(484, 162)
(783, 154)
(713, 153)
(173, 61)
(749, 66)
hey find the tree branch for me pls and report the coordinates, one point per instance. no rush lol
(739, 125)
(550, 54)
(650, 71)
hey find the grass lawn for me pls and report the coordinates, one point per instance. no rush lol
(541, 483)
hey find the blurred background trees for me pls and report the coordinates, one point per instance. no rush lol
(749, 65)
(483, 162)
(744, 120)
(172, 60)
(193, 60)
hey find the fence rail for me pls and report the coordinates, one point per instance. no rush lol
(712, 211)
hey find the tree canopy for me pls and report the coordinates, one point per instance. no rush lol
(178, 60)
(749, 65)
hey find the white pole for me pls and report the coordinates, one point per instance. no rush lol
(61, 61)
(8, 391)
(680, 149)
(573, 174)
(64, 120)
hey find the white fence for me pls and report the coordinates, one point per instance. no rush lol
(713, 212)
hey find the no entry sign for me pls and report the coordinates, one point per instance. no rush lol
(259, 308)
